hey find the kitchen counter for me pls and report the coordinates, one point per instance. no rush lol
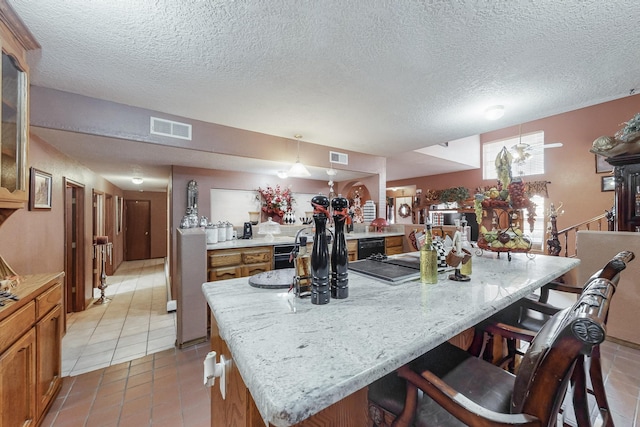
(297, 359)
(289, 240)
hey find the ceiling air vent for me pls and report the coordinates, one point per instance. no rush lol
(339, 158)
(171, 129)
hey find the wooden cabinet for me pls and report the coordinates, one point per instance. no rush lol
(241, 262)
(627, 186)
(352, 249)
(31, 350)
(49, 357)
(393, 245)
(16, 40)
(18, 382)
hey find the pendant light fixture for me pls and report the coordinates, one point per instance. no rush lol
(298, 169)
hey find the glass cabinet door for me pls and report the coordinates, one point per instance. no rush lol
(13, 128)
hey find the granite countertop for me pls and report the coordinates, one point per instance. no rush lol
(259, 240)
(296, 362)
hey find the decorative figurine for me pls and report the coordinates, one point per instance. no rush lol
(458, 255)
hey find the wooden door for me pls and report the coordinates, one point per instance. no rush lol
(74, 247)
(137, 229)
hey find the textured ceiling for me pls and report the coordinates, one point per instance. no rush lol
(374, 76)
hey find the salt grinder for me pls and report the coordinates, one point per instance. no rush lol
(339, 252)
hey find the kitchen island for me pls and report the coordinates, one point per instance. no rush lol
(301, 362)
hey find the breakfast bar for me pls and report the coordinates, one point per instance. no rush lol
(292, 361)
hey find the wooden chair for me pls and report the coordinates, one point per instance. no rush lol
(460, 389)
(526, 317)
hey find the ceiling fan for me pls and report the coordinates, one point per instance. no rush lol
(523, 151)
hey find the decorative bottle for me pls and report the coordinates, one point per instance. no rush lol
(339, 252)
(465, 268)
(320, 252)
(428, 259)
(303, 268)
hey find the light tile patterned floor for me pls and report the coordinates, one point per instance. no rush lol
(133, 324)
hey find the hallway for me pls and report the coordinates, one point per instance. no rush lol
(133, 324)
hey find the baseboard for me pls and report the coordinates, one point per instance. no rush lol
(623, 342)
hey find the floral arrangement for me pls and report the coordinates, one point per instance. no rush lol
(630, 130)
(275, 200)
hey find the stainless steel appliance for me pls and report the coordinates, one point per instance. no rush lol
(282, 256)
(370, 246)
(393, 270)
(247, 232)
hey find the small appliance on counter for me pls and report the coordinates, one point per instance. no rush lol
(247, 231)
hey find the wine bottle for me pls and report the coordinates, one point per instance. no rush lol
(428, 259)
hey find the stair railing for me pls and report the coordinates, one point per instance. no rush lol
(554, 247)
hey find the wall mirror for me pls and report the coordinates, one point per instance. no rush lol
(192, 197)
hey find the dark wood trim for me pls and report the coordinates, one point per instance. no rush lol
(75, 264)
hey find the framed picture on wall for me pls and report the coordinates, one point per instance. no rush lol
(608, 183)
(601, 165)
(40, 190)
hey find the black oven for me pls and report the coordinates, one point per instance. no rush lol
(370, 246)
(281, 255)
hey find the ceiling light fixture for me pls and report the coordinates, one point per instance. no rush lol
(494, 112)
(283, 174)
(137, 180)
(298, 169)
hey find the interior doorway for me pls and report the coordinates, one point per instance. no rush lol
(98, 230)
(109, 228)
(137, 230)
(74, 288)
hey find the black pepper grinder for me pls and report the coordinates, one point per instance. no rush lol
(339, 252)
(320, 252)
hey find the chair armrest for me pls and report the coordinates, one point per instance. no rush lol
(563, 287)
(508, 331)
(460, 406)
(541, 307)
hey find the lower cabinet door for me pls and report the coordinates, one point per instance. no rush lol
(18, 383)
(49, 336)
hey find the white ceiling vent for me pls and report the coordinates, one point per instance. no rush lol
(171, 129)
(339, 158)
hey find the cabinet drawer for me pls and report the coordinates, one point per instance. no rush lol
(223, 258)
(393, 241)
(48, 300)
(224, 273)
(16, 325)
(252, 257)
(250, 270)
(393, 250)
